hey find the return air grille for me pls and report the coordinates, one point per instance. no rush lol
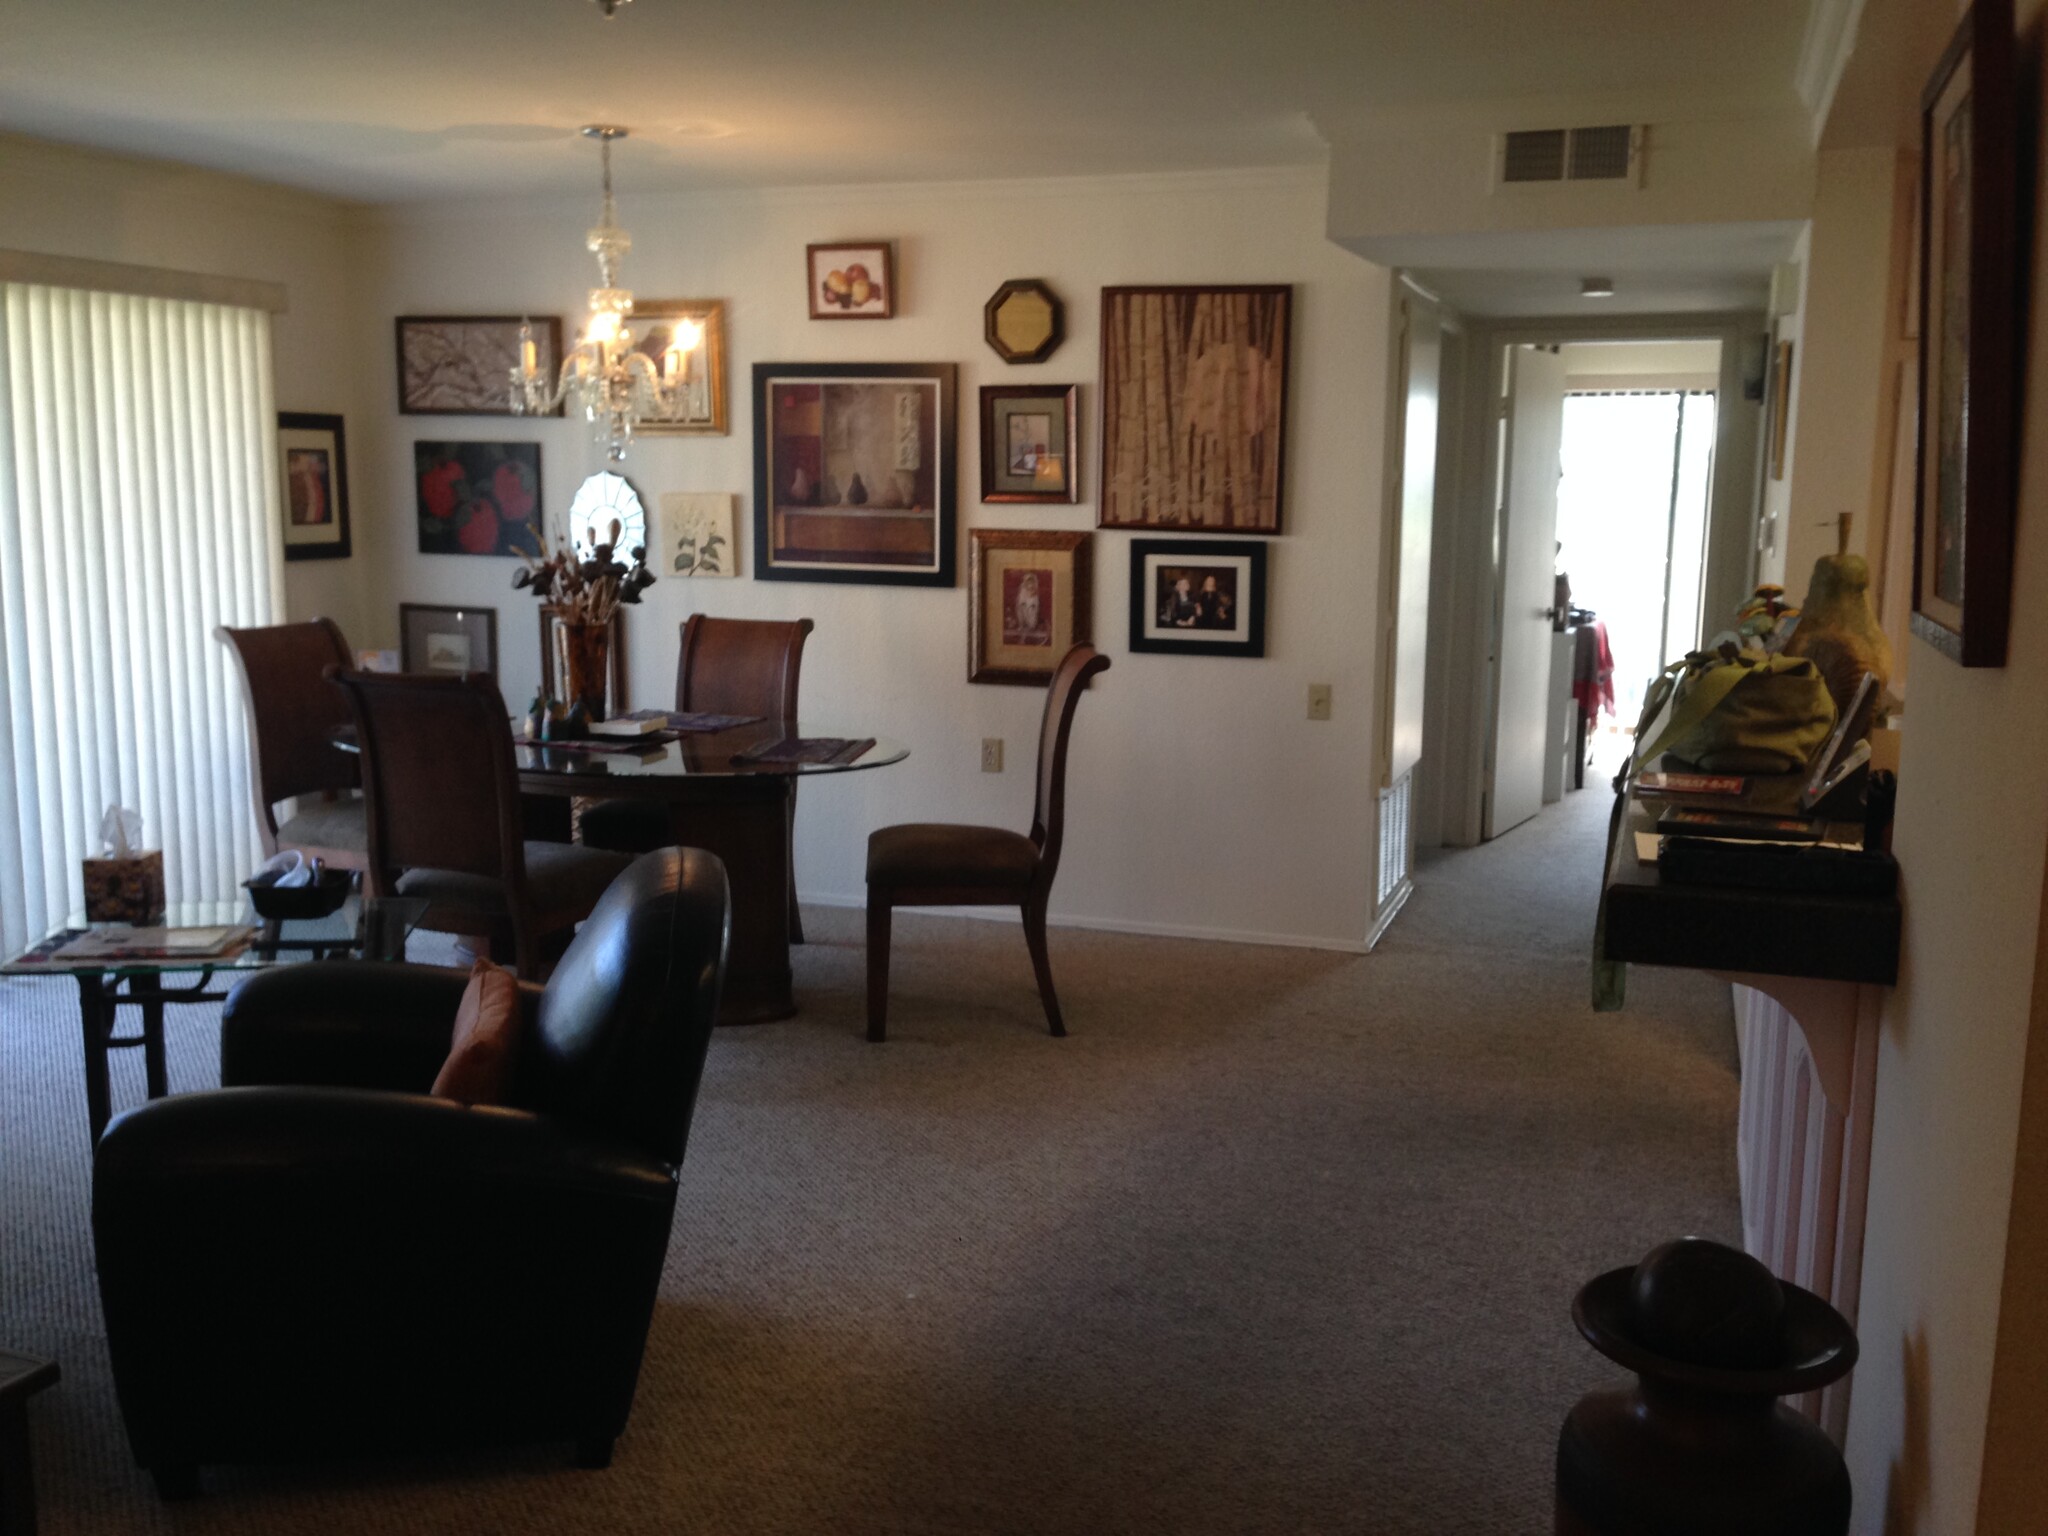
(1606, 153)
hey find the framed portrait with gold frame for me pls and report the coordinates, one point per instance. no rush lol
(653, 324)
(1030, 600)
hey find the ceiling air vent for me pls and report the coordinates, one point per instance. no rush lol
(1606, 153)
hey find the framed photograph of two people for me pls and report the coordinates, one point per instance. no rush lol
(1198, 597)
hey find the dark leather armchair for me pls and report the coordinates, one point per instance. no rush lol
(320, 1259)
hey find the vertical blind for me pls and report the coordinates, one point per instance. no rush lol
(138, 509)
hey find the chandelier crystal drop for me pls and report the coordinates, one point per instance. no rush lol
(615, 386)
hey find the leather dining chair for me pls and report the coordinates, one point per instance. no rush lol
(293, 713)
(444, 817)
(724, 667)
(941, 864)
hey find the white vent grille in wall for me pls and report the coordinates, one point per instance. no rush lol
(1610, 152)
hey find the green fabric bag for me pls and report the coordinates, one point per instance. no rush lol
(1743, 712)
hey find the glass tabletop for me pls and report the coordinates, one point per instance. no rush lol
(729, 753)
(378, 926)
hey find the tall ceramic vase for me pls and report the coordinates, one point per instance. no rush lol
(586, 666)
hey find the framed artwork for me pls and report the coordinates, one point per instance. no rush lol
(703, 406)
(1028, 443)
(314, 457)
(1029, 601)
(437, 639)
(554, 659)
(1198, 597)
(852, 281)
(698, 535)
(1194, 407)
(854, 472)
(1781, 405)
(1024, 321)
(1970, 304)
(477, 498)
(461, 365)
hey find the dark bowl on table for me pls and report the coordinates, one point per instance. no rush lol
(322, 897)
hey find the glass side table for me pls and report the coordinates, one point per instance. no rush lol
(373, 928)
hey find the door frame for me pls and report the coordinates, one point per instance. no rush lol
(1467, 631)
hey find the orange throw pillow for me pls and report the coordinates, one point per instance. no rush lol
(485, 1047)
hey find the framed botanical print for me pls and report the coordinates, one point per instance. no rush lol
(314, 456)
(1969, 325)
(702, 408)
(1198, 597)
(697, 535)
(461, 365)
(1030, 600)
(854, 471)
(477, 498)
(1028, 443)
(1194, 407)
(435, 638)
(855, 280)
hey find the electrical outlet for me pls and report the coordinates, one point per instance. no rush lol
(991, 754)
(1319, 701)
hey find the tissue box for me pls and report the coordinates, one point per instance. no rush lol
(129, 890)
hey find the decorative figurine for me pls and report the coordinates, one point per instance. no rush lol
(1838, 633)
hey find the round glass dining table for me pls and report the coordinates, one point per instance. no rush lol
(731, 793)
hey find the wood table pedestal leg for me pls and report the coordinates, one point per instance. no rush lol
(96, 1017)
(745, 821)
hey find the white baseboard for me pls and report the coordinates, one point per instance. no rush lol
(1124, 925)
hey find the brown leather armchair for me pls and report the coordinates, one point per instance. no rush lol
(321, 1260)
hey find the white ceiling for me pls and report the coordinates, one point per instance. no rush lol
(404, 100)
(1656, 269)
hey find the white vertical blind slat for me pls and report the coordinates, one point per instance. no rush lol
(138, 509)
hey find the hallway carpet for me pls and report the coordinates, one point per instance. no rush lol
(1277, 1241)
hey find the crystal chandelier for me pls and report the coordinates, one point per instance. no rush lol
(615, 386)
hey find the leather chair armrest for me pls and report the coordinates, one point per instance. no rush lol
(343, 1023)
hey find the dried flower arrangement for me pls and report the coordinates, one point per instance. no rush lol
(591, 590)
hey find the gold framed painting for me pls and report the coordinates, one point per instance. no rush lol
(1194, 407)
(703, 406)
(1030, 601)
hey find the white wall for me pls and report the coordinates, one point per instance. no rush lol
(1972, 841)
(1202, 800)
(74, 202)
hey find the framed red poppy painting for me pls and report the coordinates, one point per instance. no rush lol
(477, 498)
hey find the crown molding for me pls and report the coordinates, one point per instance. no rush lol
(1824, 51)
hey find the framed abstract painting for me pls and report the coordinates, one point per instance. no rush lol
(313, 454)
(1970, 303)
(854, 471)
(461, 365)
(1194, 407)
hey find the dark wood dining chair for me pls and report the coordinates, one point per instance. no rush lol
(444, 818)
(724, 667)
(941, 864)
(293, 713)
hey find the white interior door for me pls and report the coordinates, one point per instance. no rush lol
(1531, 463)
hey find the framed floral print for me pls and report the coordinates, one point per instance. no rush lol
(477, 498)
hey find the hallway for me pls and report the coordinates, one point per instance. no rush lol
(1278, 1240)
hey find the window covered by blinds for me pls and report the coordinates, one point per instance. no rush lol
(138, 509)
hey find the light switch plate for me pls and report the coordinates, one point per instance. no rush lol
(991, 754)
(1319, 701)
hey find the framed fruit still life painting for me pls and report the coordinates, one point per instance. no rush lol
(477, 498)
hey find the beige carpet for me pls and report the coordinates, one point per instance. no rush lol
(1277, 1241)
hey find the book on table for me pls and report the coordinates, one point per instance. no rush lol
(118, 942)
(638, 722)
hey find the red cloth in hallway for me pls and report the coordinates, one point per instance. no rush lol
(1593, 670)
